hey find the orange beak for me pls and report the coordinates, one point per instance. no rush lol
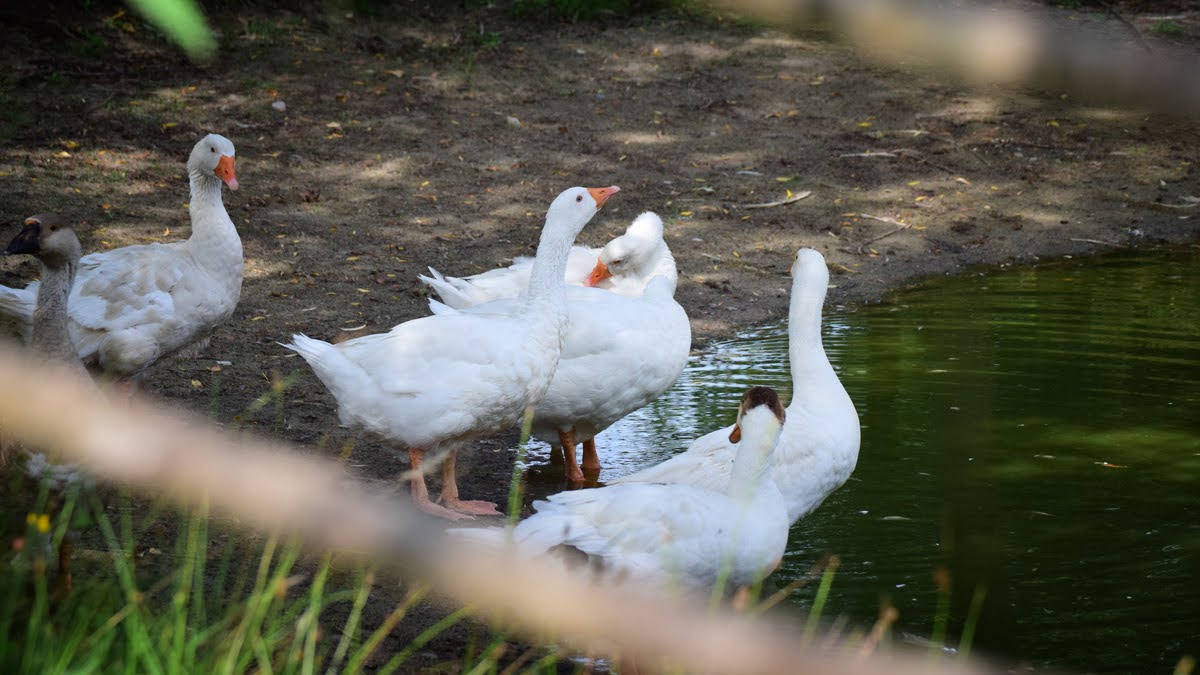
(601, 195)
(736, 434)
(599, 273)
(224, 171)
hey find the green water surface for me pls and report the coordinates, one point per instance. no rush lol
(1034, 431)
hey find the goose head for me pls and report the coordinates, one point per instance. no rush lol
(630, 252)
(48, 238)
(761, 413)
(213, 156)
(574, 207)
(810, 276)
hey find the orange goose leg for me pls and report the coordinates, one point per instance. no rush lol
(449, 497)
(420, 493)
(591, 461)
(567, 439)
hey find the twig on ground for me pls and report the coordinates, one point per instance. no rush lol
(1159, 206)
(766, 205)
(868, 154)
(913, 154)
(1097, 241)
(976, 155)
(882, 219)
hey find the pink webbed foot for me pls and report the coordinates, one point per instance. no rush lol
(440, 511)
(474, 507)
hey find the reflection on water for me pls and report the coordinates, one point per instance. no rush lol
(1036, 431)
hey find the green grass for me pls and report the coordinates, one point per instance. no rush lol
(1166, 27)
(256, 605)
(243, 605)
(184, 614)
(225, 601)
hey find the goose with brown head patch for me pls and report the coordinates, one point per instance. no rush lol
(819, 447)
(672, 535)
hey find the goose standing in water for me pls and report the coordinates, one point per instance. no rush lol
(670, 534)
(434, 383)
(819, 447)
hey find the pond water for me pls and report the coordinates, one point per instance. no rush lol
(1034, 431)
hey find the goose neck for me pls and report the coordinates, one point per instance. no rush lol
(205, 193)
(51, 334)
(806, 352)
(214, 240)
(664, 263)
(546, 286)
(749, 471)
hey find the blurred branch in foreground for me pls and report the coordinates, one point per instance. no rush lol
(1005, 45)
(266, 485)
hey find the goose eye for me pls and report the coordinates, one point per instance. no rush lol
(212, 149)
(578, 198)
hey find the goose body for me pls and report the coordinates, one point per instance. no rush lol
(672, 535)
(433, 383)
(620, 353)
(624, 266)
(818, 448)
(133, 307)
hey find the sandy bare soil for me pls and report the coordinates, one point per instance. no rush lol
(437, 140)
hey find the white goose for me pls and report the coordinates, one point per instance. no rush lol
(819, 447)
(620, 354)
(135, 306)
(624, 266)
(672, 535)
(433, 383)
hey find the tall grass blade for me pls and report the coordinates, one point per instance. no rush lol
(973, 612)
(814, 614)
(421, 640)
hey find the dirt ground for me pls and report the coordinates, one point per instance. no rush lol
(430, 139)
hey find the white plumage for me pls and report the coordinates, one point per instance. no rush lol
(819, 446)
(432, 383)
(672, 535)
(135, 306)
(620, 353)
(624, 266)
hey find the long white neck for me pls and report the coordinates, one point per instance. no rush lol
(547, 290)
(807, 353)
(664, 265)
(214, 241)
(51, 332)
(760, 433)
(815, 385)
